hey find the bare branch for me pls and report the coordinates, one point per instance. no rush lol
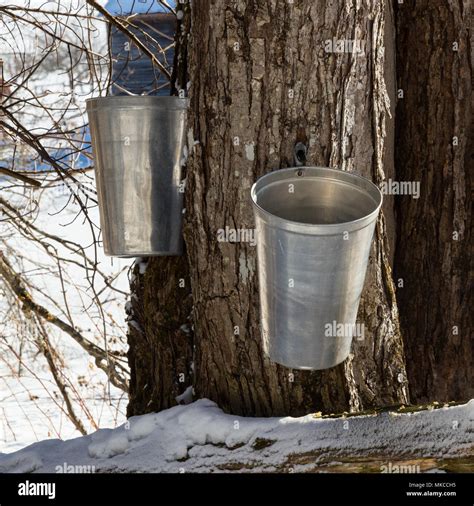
(19, 176)
(17, 285)
(123, 28)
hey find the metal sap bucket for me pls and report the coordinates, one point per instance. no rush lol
(314, 228)
(138, 143)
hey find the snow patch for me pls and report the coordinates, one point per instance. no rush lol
(141, 427)
(200, 437)
(25, 462)
(142, 264)
(115, 445)
(186, 397)
(135, 325)
(250, 151)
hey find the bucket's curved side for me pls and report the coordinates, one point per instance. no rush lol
(101, 197)
(310, 286)
(310, 289)
(138, 155)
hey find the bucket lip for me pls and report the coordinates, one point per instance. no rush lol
(137, 101)
(313, 171)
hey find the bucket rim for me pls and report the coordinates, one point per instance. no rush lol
(137, 101)
(319, 228)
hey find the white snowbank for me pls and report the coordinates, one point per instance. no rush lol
(199, 437)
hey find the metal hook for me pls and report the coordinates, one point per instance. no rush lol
(299, 154)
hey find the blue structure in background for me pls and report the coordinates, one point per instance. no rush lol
(126, 7)
(64, 156)
(132, 71)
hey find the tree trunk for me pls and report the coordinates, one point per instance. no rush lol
(159, 335)
(262, 79)
(434, 139)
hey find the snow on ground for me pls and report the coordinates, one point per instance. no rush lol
(31, 408)
(196, 437)
(199, 437)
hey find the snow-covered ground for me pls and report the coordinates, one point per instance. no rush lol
(31, 405)
(199, 437)
(31, 408)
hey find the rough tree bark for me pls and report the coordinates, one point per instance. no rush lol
(160, 335)
(262, 80)
(434, 142)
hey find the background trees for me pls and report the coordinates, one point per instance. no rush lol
(62, 337)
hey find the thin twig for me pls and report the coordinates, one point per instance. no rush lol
(21, 177)
(18, 287)
(123, 28)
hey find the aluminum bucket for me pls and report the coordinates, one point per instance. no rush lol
(314, 227)
(137, 143)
